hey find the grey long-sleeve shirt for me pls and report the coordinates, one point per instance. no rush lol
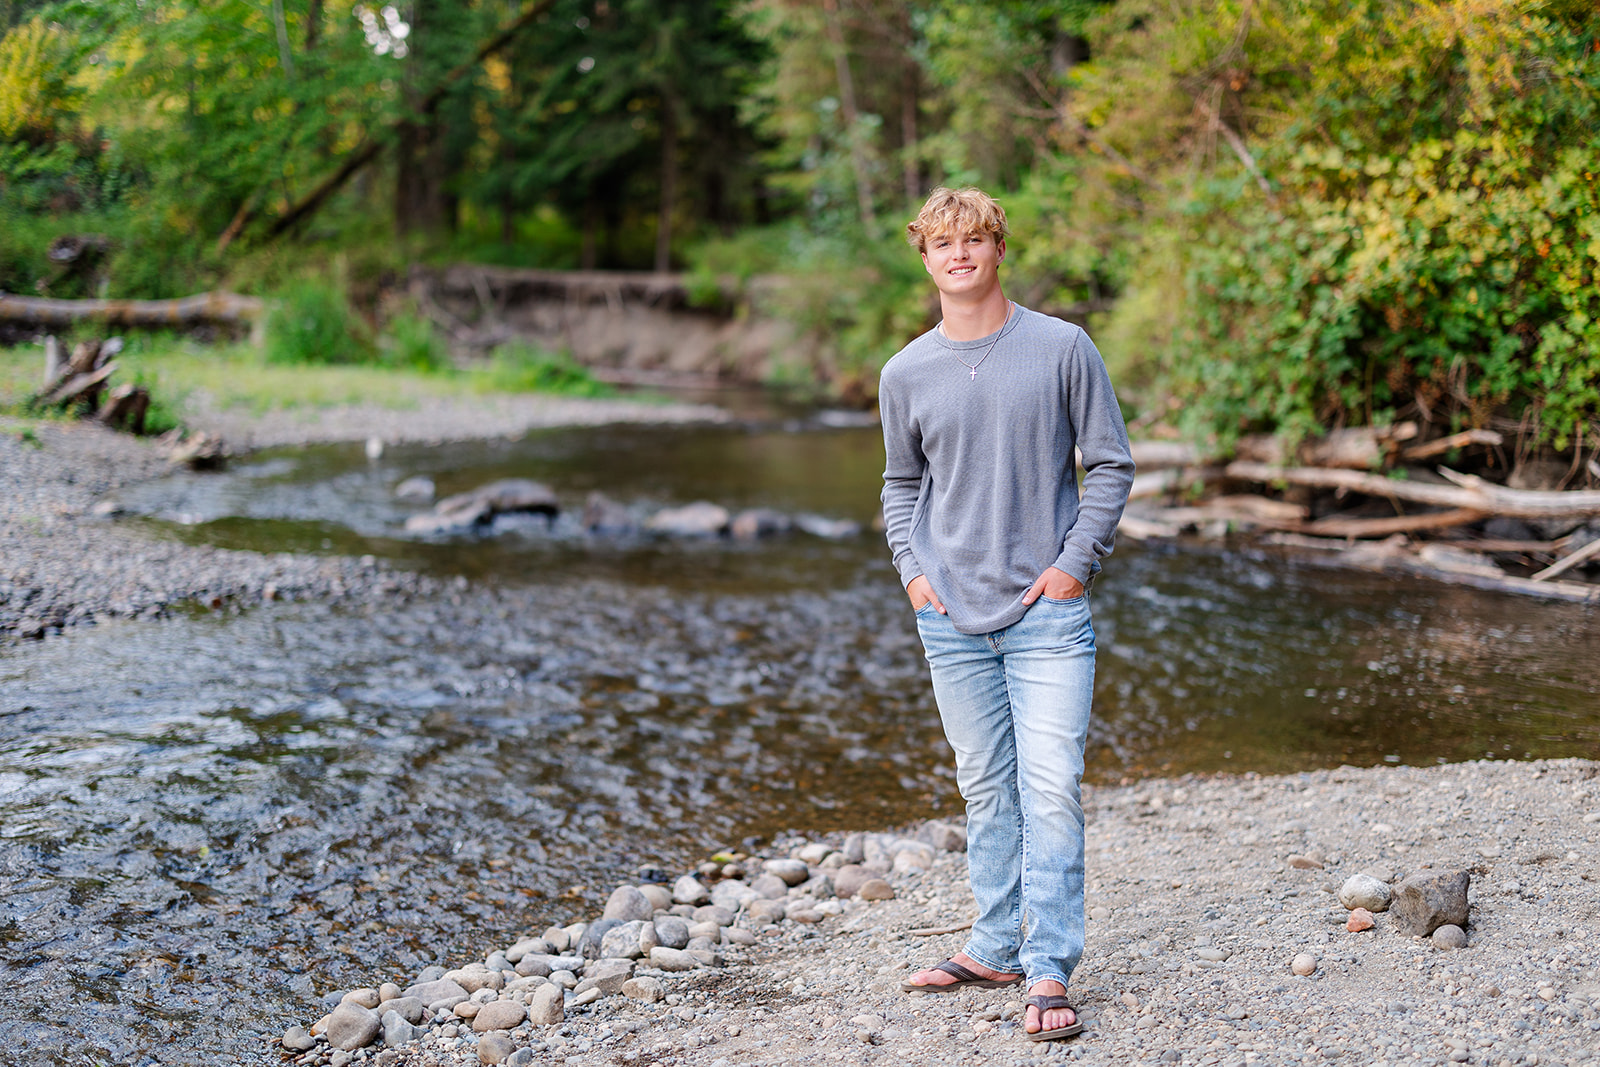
(980, 488)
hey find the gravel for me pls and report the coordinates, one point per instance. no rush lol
(1197, 918)
(68, 563)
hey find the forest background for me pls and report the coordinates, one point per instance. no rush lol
(1274, 215)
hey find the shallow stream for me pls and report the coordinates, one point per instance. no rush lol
(208, 822)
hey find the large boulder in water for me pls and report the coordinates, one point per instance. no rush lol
(505, 495)
(477, 507)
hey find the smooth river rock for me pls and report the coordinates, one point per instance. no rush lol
(1365, 891)
(690, 890)
(499, 1015)
(547, 1006)
(351, 1027)
(672, 931)
(495, 1048)
(700, 519)
(627, 904)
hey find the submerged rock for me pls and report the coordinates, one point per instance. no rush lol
(700, 519)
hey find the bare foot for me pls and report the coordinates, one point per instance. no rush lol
(1055, 1018)
(938, 978)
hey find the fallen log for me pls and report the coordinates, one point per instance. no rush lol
(1152, 455)
(1160, 482)
(1339, 526)
(229, 309)
(1360, 448)
(1384, 558)
(1467, 492)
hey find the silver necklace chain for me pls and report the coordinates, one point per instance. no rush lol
(973, 367)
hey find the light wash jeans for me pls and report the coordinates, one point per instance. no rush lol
(1015, 706)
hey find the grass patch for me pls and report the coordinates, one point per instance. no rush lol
(183, 375)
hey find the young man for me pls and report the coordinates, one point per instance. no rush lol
(996, 547)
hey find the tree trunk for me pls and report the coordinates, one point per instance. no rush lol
(847, 109)
(910, 172)
(591, 222)
(313, 25)
(669, 182)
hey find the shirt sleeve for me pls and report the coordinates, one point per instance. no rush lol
(1102, 438)
(905, 468)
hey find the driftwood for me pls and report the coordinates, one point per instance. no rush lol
(1566, 563)
(1161, 482)
(1153, 455)
(1339, 526)
(1467, 492)
(1439, 446)
(78, 386)
(218, 307)
(1387, 557)
(125, 408)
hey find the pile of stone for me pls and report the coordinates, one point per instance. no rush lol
(648, 933)
(604, 517)
(1428, 903)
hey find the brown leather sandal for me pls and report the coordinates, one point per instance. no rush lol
(1048, 1002)
(964, 979)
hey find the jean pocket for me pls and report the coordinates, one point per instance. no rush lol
(926, 610)
(1069, 602)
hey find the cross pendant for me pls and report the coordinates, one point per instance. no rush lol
(974, 374)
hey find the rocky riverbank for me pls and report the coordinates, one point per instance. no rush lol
(68, 561)
(1216, 936)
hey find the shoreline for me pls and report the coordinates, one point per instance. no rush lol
(1200, 892)
(68, 563)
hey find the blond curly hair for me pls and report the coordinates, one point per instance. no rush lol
(956, 212)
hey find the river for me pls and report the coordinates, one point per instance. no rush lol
(208, 822)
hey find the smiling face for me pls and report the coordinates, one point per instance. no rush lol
(965, 267)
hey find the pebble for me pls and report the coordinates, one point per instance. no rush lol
(672, 931)
(645, 988)
(1304, 863)
(351, 1026)
(367, 998)
(297, 1039)
(690, 890)
(1449, 936)
(547, 1005)
(672, 959)
(628, 903)
(499, 1015)
(876, 889)
(1303, 964)
(495, 1048)
(790, 871)
(1366, 892)
(1360, 919)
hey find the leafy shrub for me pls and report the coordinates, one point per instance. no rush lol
(521, 368)
(310, 321)
(410, 341)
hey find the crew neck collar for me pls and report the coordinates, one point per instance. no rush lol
(1013, 317)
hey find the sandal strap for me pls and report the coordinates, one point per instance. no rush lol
(958, 972)
(1051, 1002)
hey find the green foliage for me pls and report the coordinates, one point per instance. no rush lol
(1429, 248)
(311, 322)
(410, 341)
(521, 368)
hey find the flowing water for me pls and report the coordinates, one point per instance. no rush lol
(209, 822)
